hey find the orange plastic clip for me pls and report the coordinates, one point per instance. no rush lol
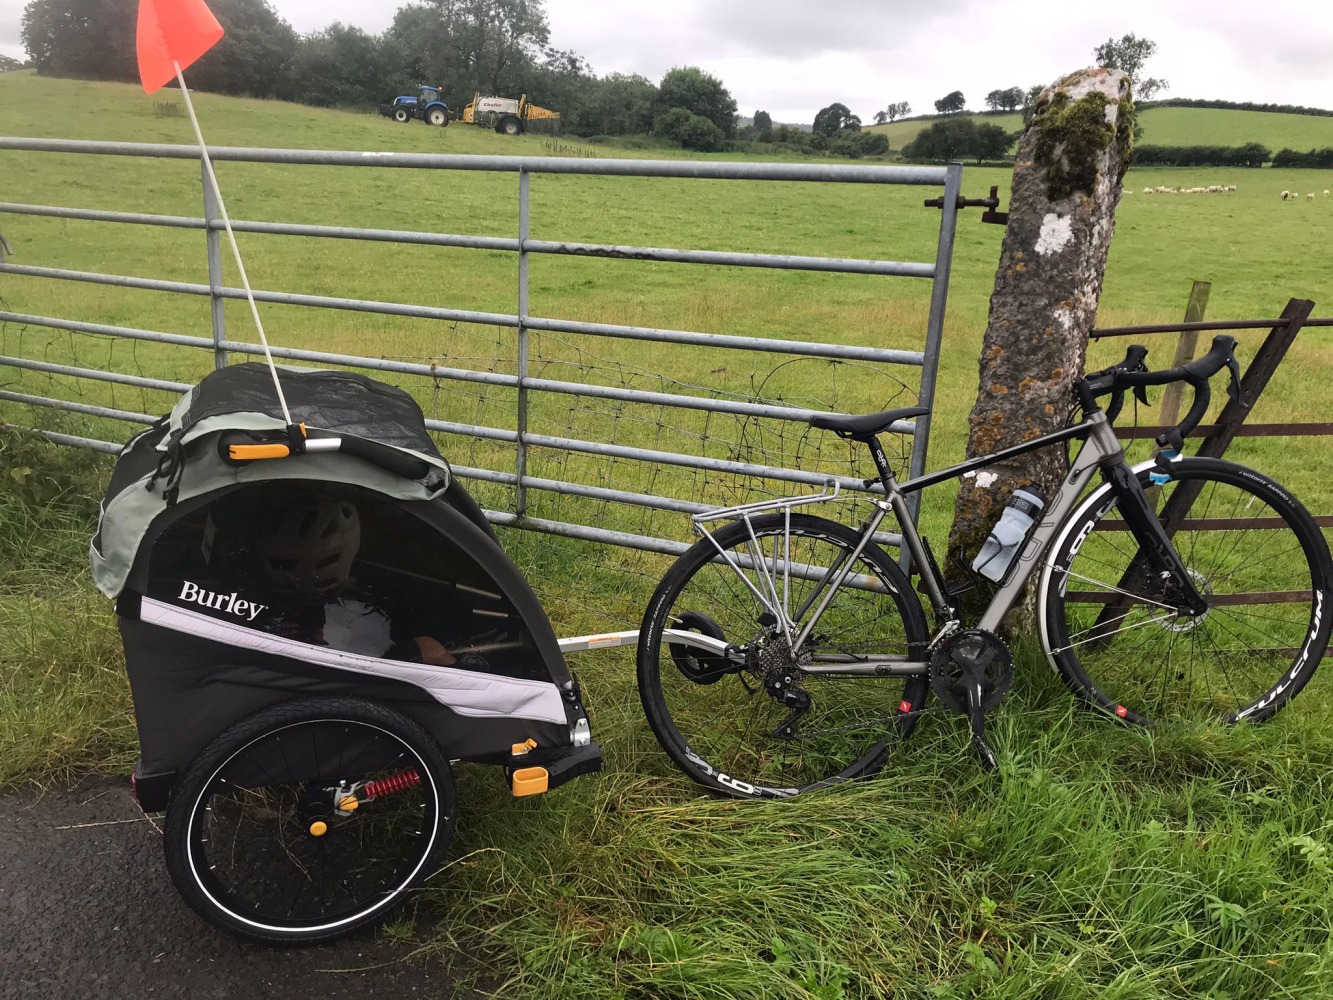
(530, 781)
(249, 452)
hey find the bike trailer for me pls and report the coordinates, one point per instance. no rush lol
(243, 580)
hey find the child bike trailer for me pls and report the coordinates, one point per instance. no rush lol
(317, 619)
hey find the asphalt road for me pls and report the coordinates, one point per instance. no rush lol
(87, 910)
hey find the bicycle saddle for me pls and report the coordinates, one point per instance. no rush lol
(866, 426)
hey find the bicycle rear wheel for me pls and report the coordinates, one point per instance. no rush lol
(1252, 551)
(725, 718)
(262, 841)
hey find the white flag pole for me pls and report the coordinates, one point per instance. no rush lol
(236, 251)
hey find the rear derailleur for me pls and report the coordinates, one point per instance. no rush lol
(971, 671)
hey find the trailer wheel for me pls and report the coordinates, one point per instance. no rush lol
(437, 116)
(510, 125)
(401, 114)
(260, 839)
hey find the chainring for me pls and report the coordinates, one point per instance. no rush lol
(979, 646)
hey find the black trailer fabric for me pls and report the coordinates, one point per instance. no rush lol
(341, 401)
(162, 467)
(241, 585)
(188, 689)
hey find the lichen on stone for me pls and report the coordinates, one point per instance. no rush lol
(1073, 135)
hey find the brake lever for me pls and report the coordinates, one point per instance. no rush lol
(1141, 394)
(1233, 387)
(1135, 359)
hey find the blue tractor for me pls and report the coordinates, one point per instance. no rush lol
(427, 105)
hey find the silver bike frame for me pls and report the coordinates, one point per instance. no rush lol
(1100, 448)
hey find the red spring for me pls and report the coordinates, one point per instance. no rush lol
(391, 784)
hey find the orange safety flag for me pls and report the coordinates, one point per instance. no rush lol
(170, 32)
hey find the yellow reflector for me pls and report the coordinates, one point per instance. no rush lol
(318, 828)
(530, 781)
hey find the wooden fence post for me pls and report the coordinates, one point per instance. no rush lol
(1194, 310)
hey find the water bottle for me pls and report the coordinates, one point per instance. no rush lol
(993, 560)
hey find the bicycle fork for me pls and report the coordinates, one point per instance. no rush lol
(1157, 556)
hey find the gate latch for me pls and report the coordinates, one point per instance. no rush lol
(990, 204)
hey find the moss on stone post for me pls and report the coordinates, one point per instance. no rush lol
(1067, 180)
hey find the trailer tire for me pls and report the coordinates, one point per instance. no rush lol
(510, 125)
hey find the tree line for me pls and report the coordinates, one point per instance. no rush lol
(497, 47)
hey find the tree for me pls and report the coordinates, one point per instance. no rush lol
(690, 130)
(342, 65)
(953, 139)
(702, 93)
(763, 125)
(8, 65)
(88, 39)
(471, 45)
(881, 117)
(901, 109)
(256, 53)
(1005, 100)
(96, 39)
(991, 142)
(951, 103)
(620, 104)
(959, 138)
(1128, 55)
(834, 119)
(855, 145)
(566, 83)
(1044, 301)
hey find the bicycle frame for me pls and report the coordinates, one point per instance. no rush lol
(1101, 450)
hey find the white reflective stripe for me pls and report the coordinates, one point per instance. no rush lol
(467, 692)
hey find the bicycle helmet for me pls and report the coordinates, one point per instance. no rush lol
(309, 544)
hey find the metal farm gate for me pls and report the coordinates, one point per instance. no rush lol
(510, 470)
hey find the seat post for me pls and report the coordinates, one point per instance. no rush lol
(881, 462)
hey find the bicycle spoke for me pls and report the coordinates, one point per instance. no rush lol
(1251, 565)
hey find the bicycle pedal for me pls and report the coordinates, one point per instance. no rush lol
(989, 762)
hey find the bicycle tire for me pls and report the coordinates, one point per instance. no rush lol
(262, 785)
(722, 731)
(1255, 554)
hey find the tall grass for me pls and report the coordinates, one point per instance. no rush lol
(1100, 860)
(64, 700)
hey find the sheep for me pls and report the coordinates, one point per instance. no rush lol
(1286, 195)
(1310, 196)
(1325, 192)
(1149, 191)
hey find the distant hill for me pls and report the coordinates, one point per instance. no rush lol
(1173, 126)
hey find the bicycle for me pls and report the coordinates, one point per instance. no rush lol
(785, 651)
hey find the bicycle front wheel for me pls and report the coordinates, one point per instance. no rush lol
(1252, 551)
(748, 715)
(309, 820)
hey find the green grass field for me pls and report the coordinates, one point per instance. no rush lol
(1175, 127)
(1100, 861)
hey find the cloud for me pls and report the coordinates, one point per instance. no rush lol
(11, 19)
(789, 28)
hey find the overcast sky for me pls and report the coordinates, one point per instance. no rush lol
(793, 57)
